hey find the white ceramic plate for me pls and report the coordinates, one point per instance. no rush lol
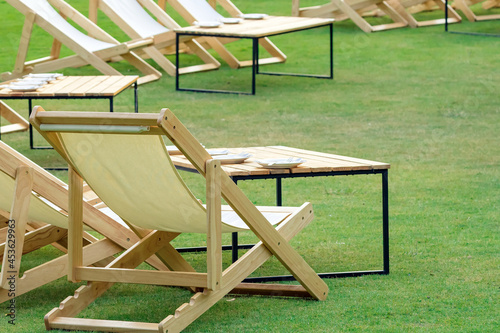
(216, 152)
(44, 75)
(29, 82)
(254, 16)
(231, 20)
(232, 158)
(208, 24)
(24, 88)
(281, 163)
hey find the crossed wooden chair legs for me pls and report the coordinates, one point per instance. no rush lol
(159, 243)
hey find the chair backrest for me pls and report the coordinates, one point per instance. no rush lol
(49, 14)
(200, 10)
(136, 17)
(135, 177)
(40, 210)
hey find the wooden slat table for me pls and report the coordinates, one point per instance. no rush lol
(254, 30)
(76, 87)
(317, 164)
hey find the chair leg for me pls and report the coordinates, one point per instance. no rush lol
(57, 268)
(17, 227)
(233, 275)
(17, 123)
(38, 238)
(150, 73)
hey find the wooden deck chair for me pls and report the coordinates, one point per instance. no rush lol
(463, 5)
(131, 16)
(488, 4)
(201, 10)
(94, 49)
(353, 9)
(126, 163)
(16, 122)
(32, 206)
(407, 6)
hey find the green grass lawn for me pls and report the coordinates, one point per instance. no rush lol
(423, 100)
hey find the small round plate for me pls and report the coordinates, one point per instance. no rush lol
(216, 152)
(208, 24)
(47, 76)
(28, 82)
(280, 163)
(231, 20)
(24, 88)
(254, 16)
(232, 158)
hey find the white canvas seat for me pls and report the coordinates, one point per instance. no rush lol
(94, 49)
(200, 10)
(131, 16)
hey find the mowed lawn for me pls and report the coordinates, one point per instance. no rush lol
(423, 100)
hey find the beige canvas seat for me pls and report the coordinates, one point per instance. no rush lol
(33, 206)
(354, 9)
(16, 122)
(201, 11)
(94, 49)
(131, 16)
(126, 163)
(464, 6)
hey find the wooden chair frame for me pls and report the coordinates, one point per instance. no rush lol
(160, 42)
(354, 9)
(30, 235)
(16, 122)
(217, 44)
(82, 56)
(405, 11)
(471, 16)
(210, 286)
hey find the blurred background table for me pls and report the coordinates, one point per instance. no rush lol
(75, 87)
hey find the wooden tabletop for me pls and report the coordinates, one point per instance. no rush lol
(315, 162)
(268, 26)
(77, 86)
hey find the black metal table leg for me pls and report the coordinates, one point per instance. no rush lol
(136, 98)
(446, 15)
(385, 217)
(255, 62)
(234, 240)
(30, 107)
(177, 35)
(279, 201)
(330, 71)
(234, 246)
(279, 192)
(385, 240)
(331, 51)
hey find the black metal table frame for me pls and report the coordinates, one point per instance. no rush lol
(463, 32)
(279, 200)
(255, 58)
(31, 98)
